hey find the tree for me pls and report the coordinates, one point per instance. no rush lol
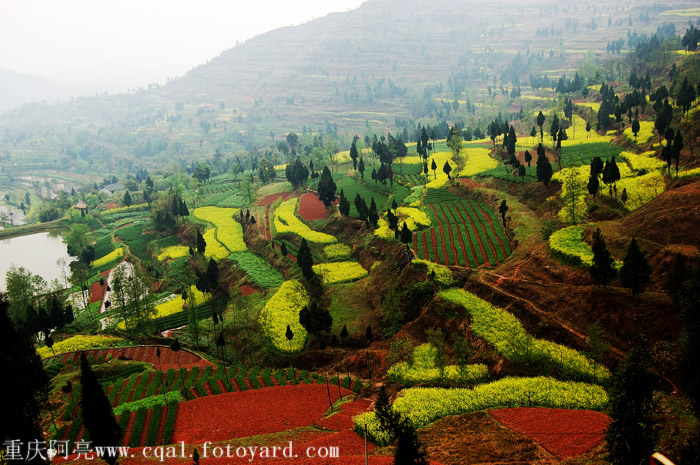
(296, 173)
(573, 186)
(454, 141)
(315, 319)
(24, 385)
(326, 188)
(503, 209)
(447, 168)
(433, 166)
(544, 167)
(353, 155)
(201, 243)
(635, 128)
(406, 235)
(361, 167)
(533, 133)
(305, 260)
(127, 199)
(635, 271)
(528, 159)
(283, 249)
(593, 186)
(603, 268)
(343, 204)
(77, 239)
(540, 123)
(632, 434)
(97, 413)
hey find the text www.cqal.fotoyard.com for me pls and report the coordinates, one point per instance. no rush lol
(84, 450)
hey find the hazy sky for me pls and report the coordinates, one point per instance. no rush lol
(134, 42)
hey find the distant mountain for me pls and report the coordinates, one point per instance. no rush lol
(17, 89)
(368, 70)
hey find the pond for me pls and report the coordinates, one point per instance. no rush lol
(37, 252)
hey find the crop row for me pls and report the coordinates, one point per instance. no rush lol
(504, 331)
(466, 236)
(424, 370)
(258, 270)
(109, 259)
(425, 405)
(176, 304)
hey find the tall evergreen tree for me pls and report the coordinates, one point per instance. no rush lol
(24, 386)
(544, 167)
(406, 235)
(97, 412)
(305, 260)
(603, 268)
(635, 271)
(201, 243)
(353, 155)
(127, 199)
(326, 188)
(361, 167)
(632, 434)
(283, 249)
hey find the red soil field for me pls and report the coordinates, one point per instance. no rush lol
(246, 290)
(97, 292)
(257, 412)
(311, 208)
(469, 183)
(565, 433)
(270, 199)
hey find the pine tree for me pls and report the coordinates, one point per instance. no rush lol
(326, 188)
(635, 271)
(127, 199)
(603, 268)
(406, 235)
(632, 434)
(433, 166)
(283, 249)
(201, 243)
(24, 385)
(447, 168)
(361, 167)
(353, 155)
(97, 412)
(305, 260)
(544, 167)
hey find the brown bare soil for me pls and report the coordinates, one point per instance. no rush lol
(476, 438)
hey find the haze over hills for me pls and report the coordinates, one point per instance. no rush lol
(345, 74)
(17, 89)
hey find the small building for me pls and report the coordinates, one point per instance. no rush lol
(82, 206)
(110, 189)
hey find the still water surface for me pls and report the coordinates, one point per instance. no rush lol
(37, 253)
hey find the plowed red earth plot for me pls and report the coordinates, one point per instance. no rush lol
(311, 208)
(250, 413)
(270, 199)
(565, 433)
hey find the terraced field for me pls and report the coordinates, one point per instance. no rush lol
(468, 235)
